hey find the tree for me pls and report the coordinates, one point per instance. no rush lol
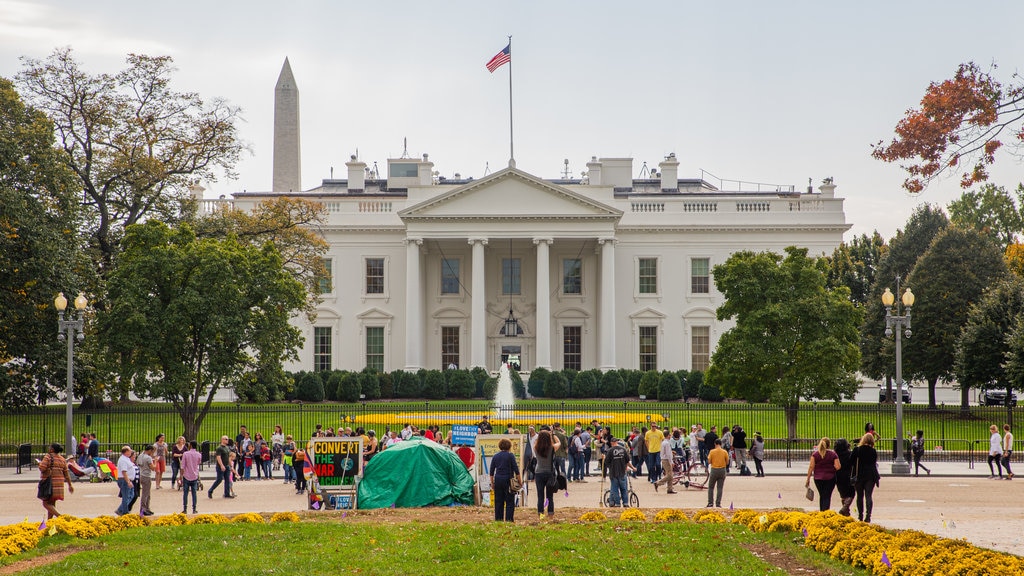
(877, 352)
(953, 274)
(991, 211)
(983, 346)
(189, 316)
(855, 265)
(793, 337)
(958, 128)
(137, 146)
(40, 254)
(309, 388)
(291, 224)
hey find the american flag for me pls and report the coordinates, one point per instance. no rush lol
(500, 59)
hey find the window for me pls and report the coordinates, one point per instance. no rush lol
(374, 275)
(701, 348)
(572, 277)
(648, 275)
(403, 170)
(375, 348)
(326, 286)
(572, 351)
(321, 348)
(449, 346)
(700, 280)
(449, 276)
(511, 275)
(648, 348)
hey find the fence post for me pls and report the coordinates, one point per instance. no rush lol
(815, 410)
(942, 424)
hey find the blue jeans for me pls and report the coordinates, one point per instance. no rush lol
(588, 453)
(266, 468)
(289, 473)
(620, 491)
(127, 496)
(558, 462)
(222, 476)
(545, 495)
(576, 467)
(653, 467)
(186, 487)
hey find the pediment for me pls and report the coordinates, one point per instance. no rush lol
(510, 193)
(647, 313)
(374, 314)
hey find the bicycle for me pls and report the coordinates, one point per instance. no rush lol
(689, 472)
(634, 500)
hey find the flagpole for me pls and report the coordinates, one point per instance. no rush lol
(511, 147)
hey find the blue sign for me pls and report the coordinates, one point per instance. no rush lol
(464, 435)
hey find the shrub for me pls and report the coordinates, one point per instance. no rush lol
(248, 518)
(611, 385)
(387, 385)
(649, 385)
(691, 388)
(369, 384)
(584, 386)
(491, 389)
(632, 515)
(332, 388)
(669, 388)
(434, 386)
(709, 393)
(480, 376)
(284, 517)
(536, 383)
(349, 389)
(593, 516)
(632, 381)
(670, 515)
(310, 388)
(518, 388)
(570, 377)
(706, 516)
(555, 385)
(407, 385)
(460, 384)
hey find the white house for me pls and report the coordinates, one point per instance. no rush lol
(605, 271)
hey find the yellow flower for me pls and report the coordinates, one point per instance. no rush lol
(671, 515)
(593, 516)
(284, 517)
(632, 515)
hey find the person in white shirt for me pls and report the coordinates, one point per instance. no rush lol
(694, 445)
(125, 474)
(407, 432)
(1007, 450)
(995, 452)
(392, 439)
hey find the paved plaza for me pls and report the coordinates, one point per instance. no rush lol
(954, 502)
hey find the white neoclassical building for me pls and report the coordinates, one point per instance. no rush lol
(605, 271)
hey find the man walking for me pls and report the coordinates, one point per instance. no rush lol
(719, 460)
(739, 446)
(653, 440)
(190, 474)
(666, 453)
(146, 466)
(223, 460)
(125, 472)
(616, 464)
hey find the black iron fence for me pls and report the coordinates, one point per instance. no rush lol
(950, 434)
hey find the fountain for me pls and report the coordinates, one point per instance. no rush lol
(505, 398)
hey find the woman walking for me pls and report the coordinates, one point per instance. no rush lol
(843, 484)
(995, 452)
(757, 453)
(917, 450)
(159, 460)
(177, 451)
(544, 452)
(823, 467)
(503, 469)
(865, 469)
(1007, 450)
(54, 468)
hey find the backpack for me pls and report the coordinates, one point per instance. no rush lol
(744, 471)
(572, 447)
(917, 446)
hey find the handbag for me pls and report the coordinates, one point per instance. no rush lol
(45, 489)
(515, 484)
(810, 494)
(552, 483)
(853, 475)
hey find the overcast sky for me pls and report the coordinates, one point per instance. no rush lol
(772, 92)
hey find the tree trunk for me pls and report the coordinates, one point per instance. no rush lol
(889, 398)
(1009, 405)
(791, 413)
(965, 399)
(931, 392)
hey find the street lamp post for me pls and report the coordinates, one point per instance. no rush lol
(900, 325)
(73, 326)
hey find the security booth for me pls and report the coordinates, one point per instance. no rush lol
(333, 471)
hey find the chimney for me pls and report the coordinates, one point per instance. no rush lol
(594, 171)
(356, 175)
(669, 168)
(425, 171)
(827, 188)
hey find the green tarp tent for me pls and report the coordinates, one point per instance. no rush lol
(416, 472)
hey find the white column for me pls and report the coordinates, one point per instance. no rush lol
(478, 321)
(543, 303)
(413, 305)
(607, 320)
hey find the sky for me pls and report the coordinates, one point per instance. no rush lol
(754, 91)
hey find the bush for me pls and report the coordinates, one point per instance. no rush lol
(669, 388)
(570, 377)
(332, 388)
(434, 386)
(631, 380)
(480, 376)
(310, 388)
(387, 385)
(611, 385)
(584, 386)
(349, 389)
(518, 388)
(649, 385)
(407, 385)
(709, 393)
(460, 384)
(369, 384)
(490, 388)
(536, 383)
(555, 385)
(691, 388)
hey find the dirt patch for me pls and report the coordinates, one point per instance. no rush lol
(786, 561)
(41, 560)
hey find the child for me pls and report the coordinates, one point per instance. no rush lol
(250, 452)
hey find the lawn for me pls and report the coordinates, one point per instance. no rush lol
(402, 547)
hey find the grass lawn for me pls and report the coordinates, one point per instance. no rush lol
(404, 547)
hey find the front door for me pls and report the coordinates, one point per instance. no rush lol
(513, 355)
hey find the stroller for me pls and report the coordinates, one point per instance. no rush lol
(89, 473)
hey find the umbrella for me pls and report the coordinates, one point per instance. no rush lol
(107, 467)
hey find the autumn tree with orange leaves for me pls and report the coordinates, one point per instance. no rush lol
(960, 125)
